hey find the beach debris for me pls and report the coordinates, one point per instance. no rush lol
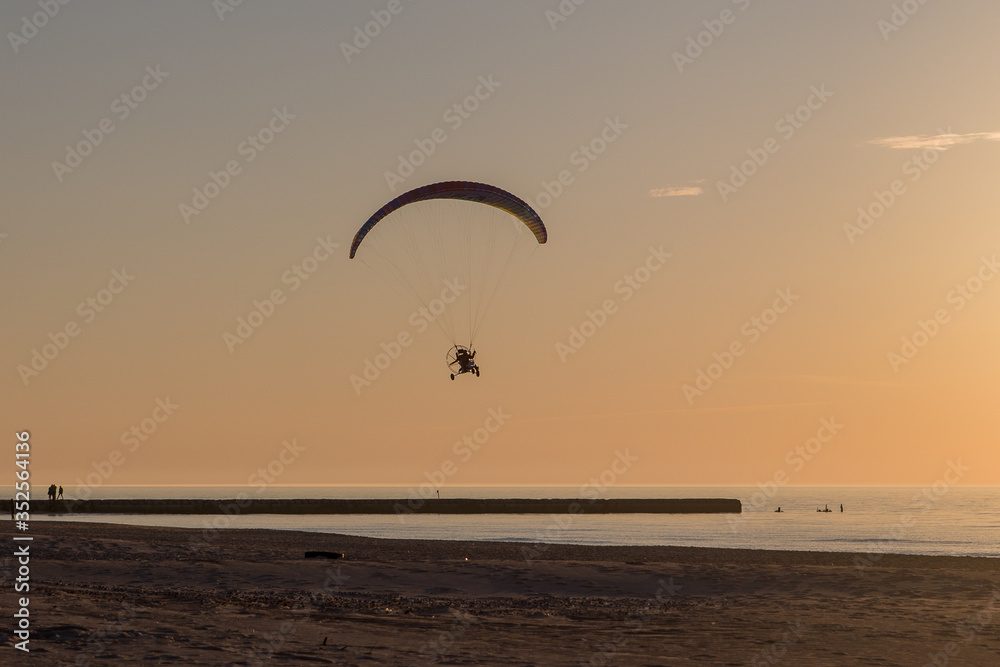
(324, 554)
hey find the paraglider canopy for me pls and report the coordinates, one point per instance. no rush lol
(460, 190)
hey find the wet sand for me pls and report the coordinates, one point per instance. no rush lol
(106, 594)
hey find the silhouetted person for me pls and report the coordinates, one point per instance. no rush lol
(61, 495)
(52, 492)
(464, 359)
(439, 494)
(841, 507)
(779, 509)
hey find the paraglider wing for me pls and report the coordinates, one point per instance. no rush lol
(465, 190)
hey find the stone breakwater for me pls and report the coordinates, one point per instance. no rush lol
(390, 506)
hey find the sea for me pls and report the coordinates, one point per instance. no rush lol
(933, 520)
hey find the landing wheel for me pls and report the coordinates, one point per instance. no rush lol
(452, 376)
(477, 371)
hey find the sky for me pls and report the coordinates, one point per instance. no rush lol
(802, 193)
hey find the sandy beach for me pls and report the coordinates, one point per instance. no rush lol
(107, 594)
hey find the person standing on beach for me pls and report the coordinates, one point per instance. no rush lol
(61, 495)
(841, 507)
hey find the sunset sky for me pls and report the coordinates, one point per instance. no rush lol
(836, 161)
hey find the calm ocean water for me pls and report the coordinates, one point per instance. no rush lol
(909, 520)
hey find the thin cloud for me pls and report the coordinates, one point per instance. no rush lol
(678, 190)
(940, 142)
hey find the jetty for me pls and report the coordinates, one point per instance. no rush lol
(247, 505)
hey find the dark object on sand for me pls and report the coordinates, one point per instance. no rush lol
(323, 554)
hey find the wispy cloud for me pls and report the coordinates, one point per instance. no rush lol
(690, 190)
(940, 142)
